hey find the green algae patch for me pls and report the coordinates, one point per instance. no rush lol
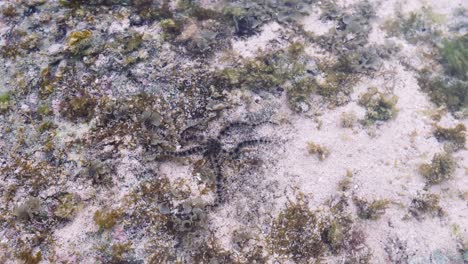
(449, 89)
(454, 56)
(5, 102)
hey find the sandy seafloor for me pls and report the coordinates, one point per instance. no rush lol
(382, 158)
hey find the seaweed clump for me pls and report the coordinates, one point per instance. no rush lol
(305, 236)
(67, 207)
(379, 106)
(426, 204)
(78, 107)
(449, 89)
(455, 135)
(439, 170)
(448, 92)
(5, 102)
(290, 69)
(348, 120)
(9, 11)
(454, 56)
(106, 219)
(29, 257)
(370, 210)
(322, 152)
(80, 42)
(296, 233)
(414, 27)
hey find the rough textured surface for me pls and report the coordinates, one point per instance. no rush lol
(278, 131)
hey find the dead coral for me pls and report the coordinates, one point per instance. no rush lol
(98, 172)
(440, 169)
(211, 252)
(352, 30)
(396, 250)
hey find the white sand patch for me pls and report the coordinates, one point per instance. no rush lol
(74, 239)
(312, 23)
(251, 46)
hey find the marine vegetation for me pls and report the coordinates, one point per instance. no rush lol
(322, 152)
(456, 136)
(370, 210)
(379, 106)
(414, 27)
(449, 89)
(296, 233)
(454, 57)
(248, 16)
(426, 204)
(5, 102)
(440, 169)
